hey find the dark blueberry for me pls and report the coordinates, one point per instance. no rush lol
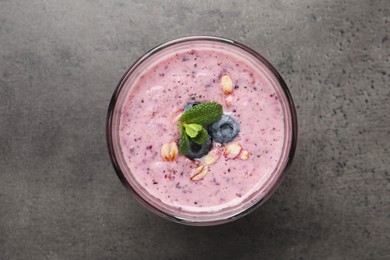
(190, 105)
(199, 150)
(225, 129)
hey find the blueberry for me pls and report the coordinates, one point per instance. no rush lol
(190, 105)
(225, 129)
(199, 150)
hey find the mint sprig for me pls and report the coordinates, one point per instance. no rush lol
(202, 114)
(202, 137)
(192, 122)
(193, 130)
(184, 142)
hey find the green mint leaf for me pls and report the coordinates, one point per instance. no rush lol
(192, 130)
(184, 142)
(202, 137)
(202, 114)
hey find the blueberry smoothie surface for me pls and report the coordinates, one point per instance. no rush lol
(148, 119)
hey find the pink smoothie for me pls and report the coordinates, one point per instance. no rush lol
(191, 73)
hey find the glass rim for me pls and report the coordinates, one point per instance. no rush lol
(158, 48)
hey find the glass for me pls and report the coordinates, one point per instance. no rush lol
(152, 203)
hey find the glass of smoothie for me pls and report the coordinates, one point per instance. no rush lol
(244, 151)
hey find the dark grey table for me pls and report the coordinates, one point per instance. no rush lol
(59, 64)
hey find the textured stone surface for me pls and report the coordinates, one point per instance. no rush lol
(59, 64)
